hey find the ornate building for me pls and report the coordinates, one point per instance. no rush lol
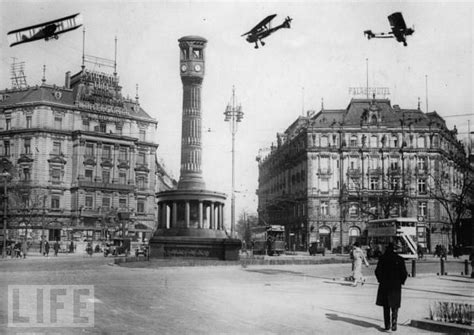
(333, 170)
(79, 155)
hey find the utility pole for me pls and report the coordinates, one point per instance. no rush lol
(5, 175)
(42, 224)
(233, 114)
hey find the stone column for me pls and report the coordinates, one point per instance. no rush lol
(211, 216)
(201, 223)
(164, 215)
(174, 215)
(186, 213)
(222, 216)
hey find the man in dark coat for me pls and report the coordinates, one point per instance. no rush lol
(391, 274)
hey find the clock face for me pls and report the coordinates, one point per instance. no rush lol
(197, 67)
(183, 68)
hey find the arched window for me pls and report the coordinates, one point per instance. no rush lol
(394, 141)
(373, 120)
(353, 141)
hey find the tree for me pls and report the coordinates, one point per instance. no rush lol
(454, 194)
(244, 225)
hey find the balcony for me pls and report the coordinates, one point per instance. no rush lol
(354, 172)
(324, 171)
(106, 186)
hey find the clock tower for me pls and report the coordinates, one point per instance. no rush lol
(191, 69)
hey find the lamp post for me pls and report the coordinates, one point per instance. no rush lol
(5, 176)
(233, 114)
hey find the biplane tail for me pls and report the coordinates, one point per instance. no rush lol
(287, 22)
(369, 34)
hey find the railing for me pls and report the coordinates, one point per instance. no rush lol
(109, 186)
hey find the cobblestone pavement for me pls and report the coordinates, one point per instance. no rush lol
(284, 299)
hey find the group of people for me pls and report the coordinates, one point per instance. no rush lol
(18, 249)
(391, 274)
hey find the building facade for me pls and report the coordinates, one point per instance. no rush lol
(77, 156)
(332, 171)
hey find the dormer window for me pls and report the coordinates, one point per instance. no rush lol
(373, 120)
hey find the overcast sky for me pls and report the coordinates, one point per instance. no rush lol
(321, 56)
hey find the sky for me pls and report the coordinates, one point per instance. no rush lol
(317, 60)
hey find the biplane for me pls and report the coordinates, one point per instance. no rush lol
(264, 29)
(399, 29)
(46, 30)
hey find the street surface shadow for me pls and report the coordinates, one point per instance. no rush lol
(457, 280)
(274, 271)
(360, 323)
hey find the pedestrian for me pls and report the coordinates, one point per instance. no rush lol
(419, 251)
(471, 259)
(391, 274)
(359, 258)
(24, 248)
(71, 247)
(46, 248)
(56, 248)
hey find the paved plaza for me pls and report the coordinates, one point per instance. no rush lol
(232, 299)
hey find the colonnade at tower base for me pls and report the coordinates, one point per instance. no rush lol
(191, 224)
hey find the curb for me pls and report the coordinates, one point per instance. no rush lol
(442, 327)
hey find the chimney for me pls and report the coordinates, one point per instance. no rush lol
(67, 82)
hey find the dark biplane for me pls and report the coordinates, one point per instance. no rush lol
(399, 29)
(46, 31)
(264, 29)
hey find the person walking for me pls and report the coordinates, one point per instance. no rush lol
(391, 274)
(46, 248)
(56, 248)
(359, 258)
(24, 248)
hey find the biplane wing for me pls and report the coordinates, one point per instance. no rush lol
(46, 30)
(261, 25)
(397, 23)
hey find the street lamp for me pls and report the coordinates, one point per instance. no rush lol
(233, 114)
(5, 175)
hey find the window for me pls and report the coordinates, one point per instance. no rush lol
(141, 158)
(421, 185)
(55, 202)
(102, 127)
(90, 149)
(373, 120)
(106, 176)
(334, 140)
(106, 152)
(373, 163)
(6, 148)
(122, 203)
(422, 208)
(422, 163)
(141, 206)
(56, 148)
(374, 141)
(27, 146)
(353, 141)
(8, 124)
(324, 141)
(324, 185)
(89, 201)
(88, 175)
(394, 163)
(394, 141)
(26, 174)
(142, 135)
(353, 210)
(122, 178)
(421, 143)
(119, 129)
(324, 208)
(141, 182)
(28, 121)
(58, 123)
(56, 175)
(324, 164)
(197, 53)
(394, 183)
(85, 125)
(123, 154)
(374, 183)
(106, 202)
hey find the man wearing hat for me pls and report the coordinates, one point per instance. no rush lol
(391, 274)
